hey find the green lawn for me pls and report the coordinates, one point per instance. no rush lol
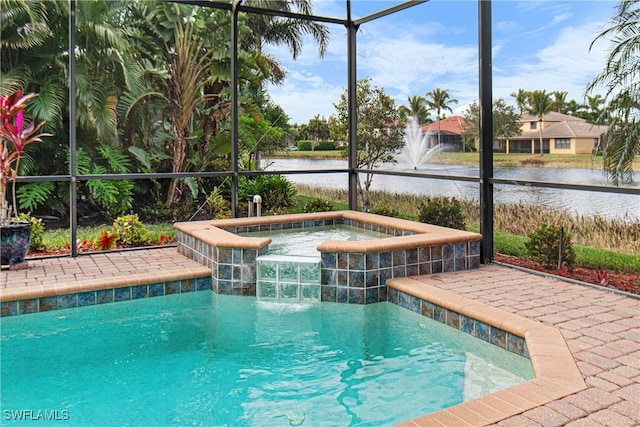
(510, 244)
(59, 238)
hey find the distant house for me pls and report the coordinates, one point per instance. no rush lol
(561, 134)
(451, 130)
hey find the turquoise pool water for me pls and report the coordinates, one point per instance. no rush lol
(206, 359)
(304, 241)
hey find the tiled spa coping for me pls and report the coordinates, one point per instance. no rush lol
(556, 372)
(352, 272)
(404, 234)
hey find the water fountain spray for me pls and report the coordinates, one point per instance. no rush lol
(416, 149)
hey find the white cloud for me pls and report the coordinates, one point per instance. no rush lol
(407, 61)
(564, 64)
(555, 20)
(507, 27)
(306, 94)
(411, 59)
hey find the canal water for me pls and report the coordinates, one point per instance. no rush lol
(588, 203)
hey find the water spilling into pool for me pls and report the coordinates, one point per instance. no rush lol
(206, 359)
(291, 270)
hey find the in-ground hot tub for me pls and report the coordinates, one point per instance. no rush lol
(351, 271)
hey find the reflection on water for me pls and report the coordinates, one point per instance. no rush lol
(608, 205)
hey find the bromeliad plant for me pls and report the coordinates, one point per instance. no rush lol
(15, 136)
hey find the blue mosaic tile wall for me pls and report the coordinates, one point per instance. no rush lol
(476, 328)
(361, 278)
(233, 271)
(345, 277)
(103, 296)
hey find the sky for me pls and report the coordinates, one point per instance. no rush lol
(536, 44)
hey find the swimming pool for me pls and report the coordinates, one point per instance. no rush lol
(202, 358)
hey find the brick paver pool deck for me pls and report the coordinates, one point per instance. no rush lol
(600, 328)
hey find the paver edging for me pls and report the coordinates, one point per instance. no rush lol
(112, 282)
(557, 374)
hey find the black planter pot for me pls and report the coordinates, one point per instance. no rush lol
(14, 242)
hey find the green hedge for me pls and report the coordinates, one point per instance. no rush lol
(319, 146)
(304, 146)
(326, 146)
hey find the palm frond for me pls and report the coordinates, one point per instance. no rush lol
(129, 100)
(15, 79)
(23, 24)
(50, 102)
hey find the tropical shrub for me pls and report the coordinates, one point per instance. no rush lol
(130, 230)
(544, 246)
(317, 205)
(15, 135)
(37, 231)
(30, 195)
(114, 197)
(276, 191)
(385, 210)
(442, 211)
(106, 240)
(217, 204)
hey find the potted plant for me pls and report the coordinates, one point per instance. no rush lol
(15, 136)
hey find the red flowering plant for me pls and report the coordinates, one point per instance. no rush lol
(15, 136)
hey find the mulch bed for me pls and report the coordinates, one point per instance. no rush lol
(623, 281)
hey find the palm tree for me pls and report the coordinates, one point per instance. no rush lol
(539, 103)
(439, 100)
(621, 143)
(188, 70)
(593, 103)
(318, 128)
(559, 100)
(521, 99)
(417, 108)
(192, 147)
(277, 31)
(23, 24)
(573, 108)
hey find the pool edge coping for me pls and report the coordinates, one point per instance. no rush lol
(112, 282)
(557, 374)
(214, 231)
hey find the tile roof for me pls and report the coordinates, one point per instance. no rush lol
(551, 116)
(570, 129)
(453, 125)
